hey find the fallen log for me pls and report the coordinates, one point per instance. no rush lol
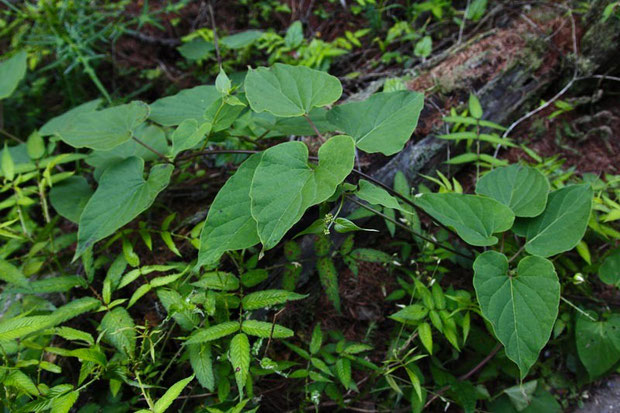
(509, 69)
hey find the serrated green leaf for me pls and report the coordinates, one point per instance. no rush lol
(218, 280)
(474, 106)
(317, 339)
(119, 330)
(329, 280)
(64, 403)
(343, 371)
(562, 224)
(178, 308)
(121, 196)
(12, 71)
(522, 308)
(200, 359)
(207, 334)
(69, 333)
(267, 298)
(171, 395)
(289, 91)
(522, 188)
(426, 336)
(265, 330)
(382, 123)
(239, 356)
(475, 218)
(12, 275)
(411, 313)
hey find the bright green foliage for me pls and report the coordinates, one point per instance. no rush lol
(522, 307)
(121, 196)
(598, 343)
(213, 333)
(12, 70)
(202, 104)
(119, 330)
(200, 359)
(289, 91)
(265, 330)
(475, 218)
(70, 197)
(609, 271)
(562, 225)
(239, 356)
(377, 196)
(12, 275)
(284, 185)
(63, 122)
(229, 225)
(104, 129)
(171, 395)
(382, 123)
(218, 280)
(189, 134)
(411, 313)
(267, 298)
(522, 188)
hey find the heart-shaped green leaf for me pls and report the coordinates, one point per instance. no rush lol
(598, 344)
(201, 103)
(382, 123)
(289, 91)
(229, 225)
(70, 196)
(121, 196)
(562, 224)
(521, 307)
(104, 129)
(11, 72)
(284, 185)
(59, 123)
(475, 218)
(609, 271)
(522, 188)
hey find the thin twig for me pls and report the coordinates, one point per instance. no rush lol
(215, 39)
(316, 130)
(150, 148)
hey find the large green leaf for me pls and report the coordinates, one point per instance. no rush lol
(119, 330)
(104, 129)
(200, 359)
(382, 123)
(200, 103)
(241, 40)
(522, 188)
(598, 343)
(267, 298)
(289, 91)
(204, 335)
(59, 123)
(171, 395)
(609, 271)
(239, 355)
(284, 185)
(70, 196)
(151, 135)
(475, 218)
(562, 224)
(521, 307)
(11, 72)
(229, 225)
(121, 196)
(11, 274)
(189, 133)
(265, 329)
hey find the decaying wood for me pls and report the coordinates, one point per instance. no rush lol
(509, 69)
